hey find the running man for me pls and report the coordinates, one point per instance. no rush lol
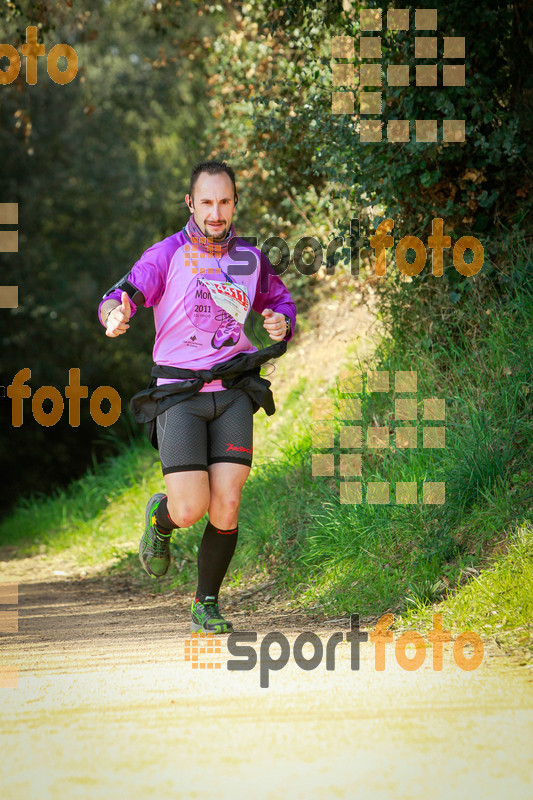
(204, 435)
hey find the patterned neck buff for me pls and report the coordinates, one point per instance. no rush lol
(196, 236)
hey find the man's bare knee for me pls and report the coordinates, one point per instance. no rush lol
(228, 503)
(225, 508)
(185, 514)
(188, 497)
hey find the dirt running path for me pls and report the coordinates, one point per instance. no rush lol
(107, 706)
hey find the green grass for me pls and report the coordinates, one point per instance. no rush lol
(504, 591)
(367, 558)
(497, 601)
(90, 517)
(346, 558)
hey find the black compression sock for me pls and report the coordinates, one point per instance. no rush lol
(163, 522)
(214, 556)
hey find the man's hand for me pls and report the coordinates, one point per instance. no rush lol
(275, 324)
(118, 318)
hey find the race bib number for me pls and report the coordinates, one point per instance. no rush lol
(231, 297)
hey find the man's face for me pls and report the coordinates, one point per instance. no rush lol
(213, 204)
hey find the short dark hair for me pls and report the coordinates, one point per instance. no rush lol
(213, 168)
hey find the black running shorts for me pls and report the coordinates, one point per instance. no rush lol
(204, 429)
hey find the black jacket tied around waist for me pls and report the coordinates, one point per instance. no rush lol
(240, 372)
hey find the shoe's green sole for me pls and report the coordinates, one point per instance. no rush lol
(147, 513)
(196, 628)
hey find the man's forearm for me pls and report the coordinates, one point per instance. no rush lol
(108, 306)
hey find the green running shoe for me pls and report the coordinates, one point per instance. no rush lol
(207, 617)
(154, 550)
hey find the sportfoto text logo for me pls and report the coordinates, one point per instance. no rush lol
(31, 50)
(239, 645)
(380, 241)
(18, 390)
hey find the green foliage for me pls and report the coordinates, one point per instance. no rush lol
(99, 168)
(282, 70)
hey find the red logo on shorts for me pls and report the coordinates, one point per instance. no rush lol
(239, 449)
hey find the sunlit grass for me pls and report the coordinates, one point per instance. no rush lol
(498, 600)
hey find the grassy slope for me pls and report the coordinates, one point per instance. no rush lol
(364, 558)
